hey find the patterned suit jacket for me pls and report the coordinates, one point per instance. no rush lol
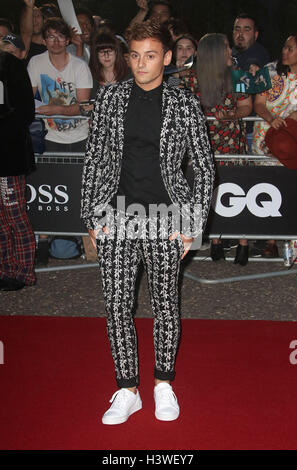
(183, 130)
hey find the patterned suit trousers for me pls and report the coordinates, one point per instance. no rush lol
(120, 254)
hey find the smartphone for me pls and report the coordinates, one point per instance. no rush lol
(88, 102)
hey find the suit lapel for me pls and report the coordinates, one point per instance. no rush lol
(119, 114)
(168, 112)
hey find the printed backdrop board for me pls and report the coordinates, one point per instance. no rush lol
(247, 200)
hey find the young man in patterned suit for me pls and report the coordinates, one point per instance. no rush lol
(140, 132)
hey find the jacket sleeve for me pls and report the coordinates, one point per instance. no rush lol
(201, 156)
(21, 93)
(94, 162)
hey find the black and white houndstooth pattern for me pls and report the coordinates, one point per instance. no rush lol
(183, 131)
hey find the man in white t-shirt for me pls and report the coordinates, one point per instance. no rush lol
(63, 81)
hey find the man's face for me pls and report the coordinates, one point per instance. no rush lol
(184, 49)
(244, 33)
(37, 21)
(56, 42)
(147, 61)
(86, 27)
(160, 13)
(3, 31)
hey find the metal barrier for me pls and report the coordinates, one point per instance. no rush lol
(76, 157)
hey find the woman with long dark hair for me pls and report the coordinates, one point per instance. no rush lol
(107, 63)
(227, 133)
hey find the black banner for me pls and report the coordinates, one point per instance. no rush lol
(258, 200)
(53, 198)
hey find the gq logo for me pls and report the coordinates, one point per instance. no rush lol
(239, 200)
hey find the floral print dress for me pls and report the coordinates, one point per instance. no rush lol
(281, 100)
(226, 136)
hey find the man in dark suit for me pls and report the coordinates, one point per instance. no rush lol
(140, 133)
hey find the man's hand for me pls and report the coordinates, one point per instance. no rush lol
(278, 122)
(142, 4)
(187, 242)
(76, 38)
(29, 3)
(93, 235)
(225, 115)
(49, 109)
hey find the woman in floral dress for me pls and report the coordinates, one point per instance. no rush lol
(280, 101)
(275, 105)
(227, 132)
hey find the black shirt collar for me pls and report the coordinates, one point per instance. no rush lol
(150, 95)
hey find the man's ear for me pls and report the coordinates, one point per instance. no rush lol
(167, 57)
(256, 35)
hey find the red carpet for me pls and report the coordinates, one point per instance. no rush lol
(236, 386)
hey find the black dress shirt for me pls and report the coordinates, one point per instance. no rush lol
(141, 181)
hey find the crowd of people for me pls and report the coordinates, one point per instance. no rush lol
(67, 68)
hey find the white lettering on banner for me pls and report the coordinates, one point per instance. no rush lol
(47, 194)
(239, 200)
(33, 193)
(1, 93)
(45, 190)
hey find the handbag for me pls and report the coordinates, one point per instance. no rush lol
(38, 132)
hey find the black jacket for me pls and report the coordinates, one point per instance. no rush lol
(16, 150)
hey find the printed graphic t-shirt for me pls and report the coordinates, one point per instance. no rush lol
(59, 88)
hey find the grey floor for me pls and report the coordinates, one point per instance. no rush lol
(78, 292)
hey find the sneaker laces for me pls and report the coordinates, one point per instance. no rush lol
(167, 396)
(119, 398)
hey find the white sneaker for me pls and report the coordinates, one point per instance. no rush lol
(124, 403)
(167, 408)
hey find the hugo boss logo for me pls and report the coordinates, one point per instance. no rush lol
(230, 200)
(48, 197)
